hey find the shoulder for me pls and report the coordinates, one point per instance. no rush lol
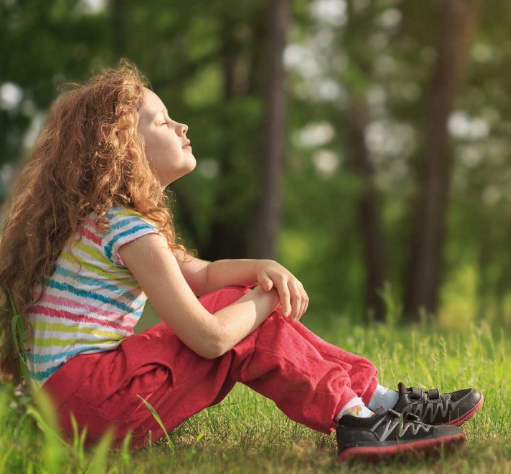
(125, 225)
(118, 215)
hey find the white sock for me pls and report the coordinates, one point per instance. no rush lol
(355, 407)
(383, 399)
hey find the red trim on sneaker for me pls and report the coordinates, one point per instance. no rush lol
(469, 414)
(375, 453)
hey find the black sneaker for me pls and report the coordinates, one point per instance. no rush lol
(389, 433)
(451, 408)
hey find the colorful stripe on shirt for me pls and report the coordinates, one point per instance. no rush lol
(92, 301)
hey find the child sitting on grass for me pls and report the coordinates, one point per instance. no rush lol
(88, 238)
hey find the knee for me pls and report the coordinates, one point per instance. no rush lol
(273, 327)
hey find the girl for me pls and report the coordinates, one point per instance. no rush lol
(88, 237)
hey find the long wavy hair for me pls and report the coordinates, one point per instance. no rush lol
(87, 157)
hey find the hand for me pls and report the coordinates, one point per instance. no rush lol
(291, 291)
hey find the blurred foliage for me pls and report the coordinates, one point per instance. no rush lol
(386, 55)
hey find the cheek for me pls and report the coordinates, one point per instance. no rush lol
(159, 143)
(154, 142)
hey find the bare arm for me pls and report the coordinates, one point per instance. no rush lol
(241, 318)
(238, 271)
(157, 271)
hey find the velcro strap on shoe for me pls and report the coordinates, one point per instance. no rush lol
(434, 393)
(416, 393)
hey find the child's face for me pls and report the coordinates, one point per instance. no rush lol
(164, 140)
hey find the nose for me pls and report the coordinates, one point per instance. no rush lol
(184, 128)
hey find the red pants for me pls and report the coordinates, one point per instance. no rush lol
(309, 379)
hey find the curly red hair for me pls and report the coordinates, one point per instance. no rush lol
(87, 157)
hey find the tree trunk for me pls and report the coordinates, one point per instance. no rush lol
(258, 61)
(370, 228)
(268, 208)
(226, 240)
(425, 267)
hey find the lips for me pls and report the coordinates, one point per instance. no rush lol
(186, 144)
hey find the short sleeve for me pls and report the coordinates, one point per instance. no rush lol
(126, 225)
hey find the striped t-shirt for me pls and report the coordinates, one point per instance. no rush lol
(92, 308)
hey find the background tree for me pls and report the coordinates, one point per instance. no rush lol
(424, 274)
(343, 199)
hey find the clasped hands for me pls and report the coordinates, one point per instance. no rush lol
(293, 298)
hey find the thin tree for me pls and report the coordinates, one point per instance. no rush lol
(268, 207)
(425, 266)
(368, 213)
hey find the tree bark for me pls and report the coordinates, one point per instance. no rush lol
(370, 228)
(268, 207)
(425, 267)
(258, 60)
(227, 239)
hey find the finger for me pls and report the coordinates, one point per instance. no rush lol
(306, 304)
(304, 301)
(285, 297)
(266, 282)
(296, 296)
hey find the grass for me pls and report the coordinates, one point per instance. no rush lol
(248, 433)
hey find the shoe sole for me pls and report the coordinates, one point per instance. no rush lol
(422, 448)
(469, 414)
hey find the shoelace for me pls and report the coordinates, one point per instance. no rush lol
(416, 393)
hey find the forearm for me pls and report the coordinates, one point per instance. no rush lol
(240, 271)
(241, 318)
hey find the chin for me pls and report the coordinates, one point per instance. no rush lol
(183, 172)
(192, 164)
